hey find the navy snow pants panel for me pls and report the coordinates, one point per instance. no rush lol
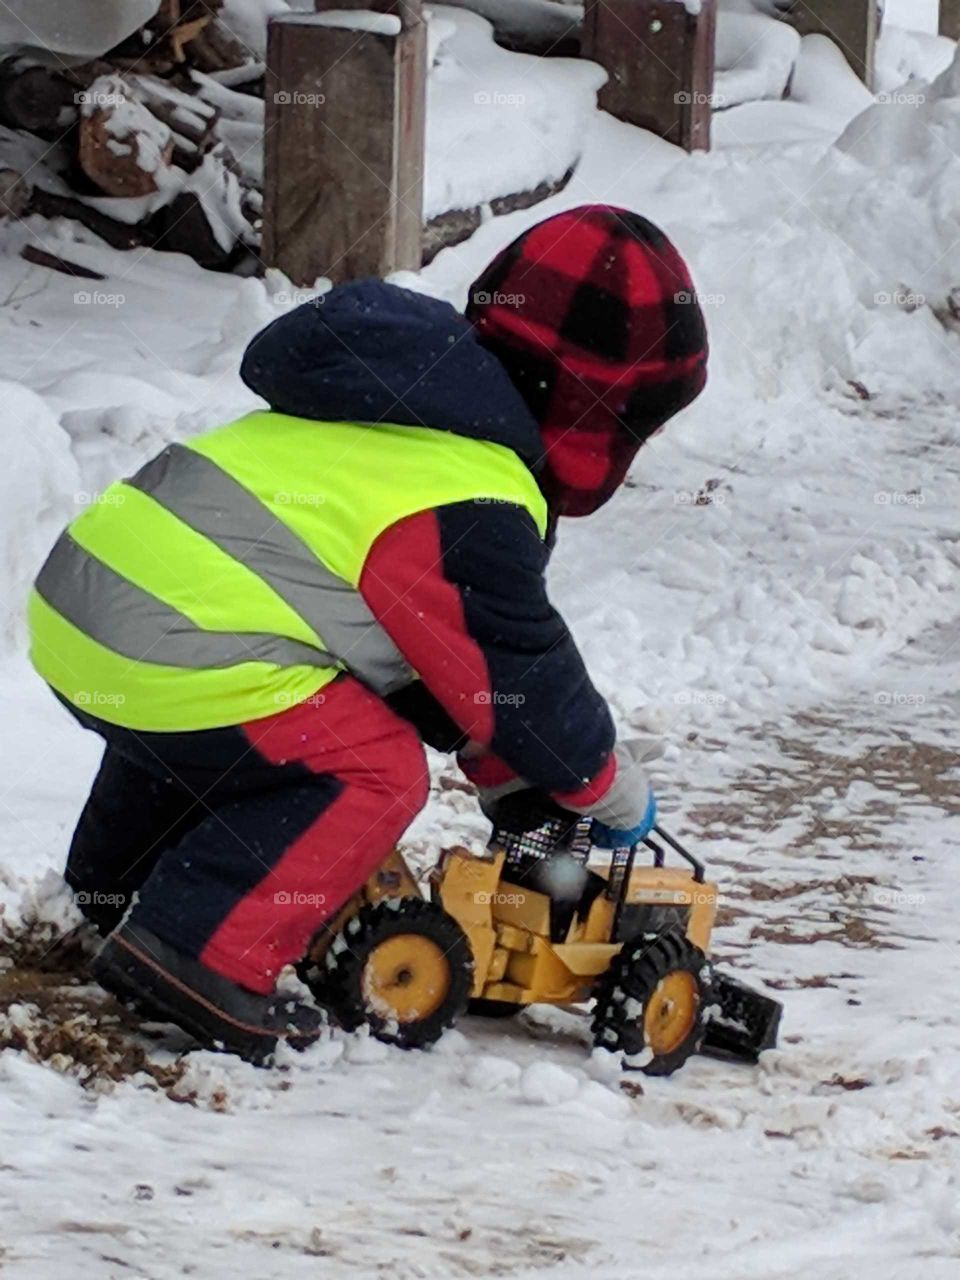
(235, 845)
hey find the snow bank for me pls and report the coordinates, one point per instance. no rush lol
(910, 55)
(921, 15)
(843, 267)
(81, 29)
(826, 274)
(499, 123)
(542, 21)
(824, 79)
(247, 20)
(755, 56)
(39, 487)
(908, 146)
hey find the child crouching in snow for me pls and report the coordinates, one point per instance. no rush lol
(258, 602)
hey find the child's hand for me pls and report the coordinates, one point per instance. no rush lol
(605, 837)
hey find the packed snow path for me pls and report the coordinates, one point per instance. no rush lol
(508, 1151)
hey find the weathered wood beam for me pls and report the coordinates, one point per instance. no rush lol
(344, 145)
(660, 60)
(853, 25)
(950, 18)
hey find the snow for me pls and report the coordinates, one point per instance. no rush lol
(776, 593)
(381, 24)
(823, 76)
(909, 55)
(755, 57)
(246, 20)
(39, 469)
(499, 123)
(920, 15)
(77, 31)
(543, 21)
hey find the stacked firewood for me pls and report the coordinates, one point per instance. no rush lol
(143, 141)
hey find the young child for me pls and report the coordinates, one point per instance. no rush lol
(256, 621)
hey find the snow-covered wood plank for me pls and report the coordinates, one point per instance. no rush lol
(344, 144)
(851, 24)
(659, 55)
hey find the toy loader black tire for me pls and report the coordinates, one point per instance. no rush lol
(653, 999)
(401, 966)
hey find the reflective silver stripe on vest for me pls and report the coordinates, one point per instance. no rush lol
(211, 502)
(131, 622)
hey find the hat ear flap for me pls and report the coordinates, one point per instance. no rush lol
(648, 408)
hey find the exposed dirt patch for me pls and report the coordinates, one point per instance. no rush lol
(80, 1032)
(902, 769)
(770, 891)
(853, 932)
(816, 982)
(52, 1011)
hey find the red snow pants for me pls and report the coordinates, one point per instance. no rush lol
(235, 845)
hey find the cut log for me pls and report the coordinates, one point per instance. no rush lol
(36, 100)
(15, 194)
(182, 35)
(189, 118)
(217, 49)
(40, 258)
(344, 141)
(120, 235)
(185, 228)
(457, 225)
(211, 220)
(660, 62)
(163, 44)
(409, 14)
(123, 145)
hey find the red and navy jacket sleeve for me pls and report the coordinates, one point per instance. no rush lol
(461, 591)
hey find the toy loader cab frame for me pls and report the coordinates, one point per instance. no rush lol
(529, 922)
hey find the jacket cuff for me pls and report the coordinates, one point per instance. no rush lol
(618, 796)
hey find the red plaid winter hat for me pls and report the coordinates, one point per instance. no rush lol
(594, 315)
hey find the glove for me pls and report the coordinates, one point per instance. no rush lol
(628, 810)
(605, 837)
(490, 775)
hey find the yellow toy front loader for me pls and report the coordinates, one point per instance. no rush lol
(533, 921)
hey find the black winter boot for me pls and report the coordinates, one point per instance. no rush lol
(164, 985)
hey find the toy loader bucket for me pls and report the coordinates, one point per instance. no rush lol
(741, 1022)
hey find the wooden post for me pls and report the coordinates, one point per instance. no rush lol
(950, 18)
(344, 143)
(853, 25)
(660, 60)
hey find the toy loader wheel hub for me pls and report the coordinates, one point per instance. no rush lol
(671, 1012)
(406, 977)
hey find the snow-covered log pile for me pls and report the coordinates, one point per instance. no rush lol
(134, 146)
(158, 140)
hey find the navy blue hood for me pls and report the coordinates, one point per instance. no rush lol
(372, 352)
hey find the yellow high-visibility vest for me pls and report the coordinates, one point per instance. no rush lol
(219, 584)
